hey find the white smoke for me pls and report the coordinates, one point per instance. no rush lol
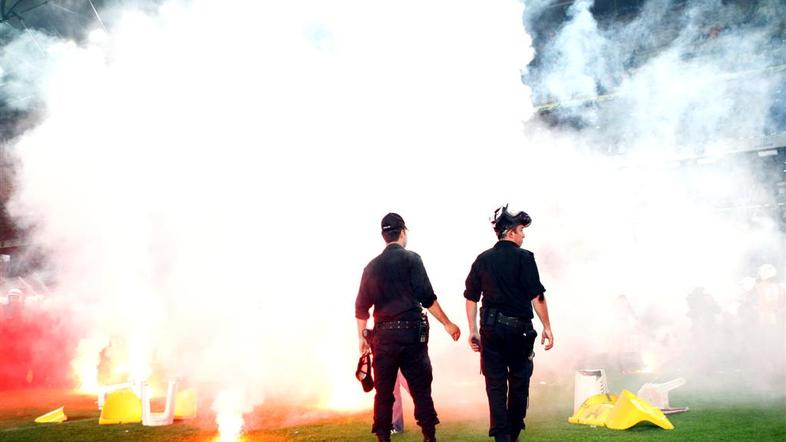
(208, 182)
(673, 82)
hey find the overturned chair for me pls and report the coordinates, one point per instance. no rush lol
(588, 383)
(105, 390)
(658, 395)
(595, 406)
(121, 406)
(150, 419)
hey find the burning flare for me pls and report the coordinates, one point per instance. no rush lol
(229, 426)
(228, 406)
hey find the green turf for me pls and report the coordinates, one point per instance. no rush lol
(89, 430)
(721, 424)
(711, 418)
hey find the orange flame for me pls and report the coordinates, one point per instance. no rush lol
(86, 375)
(229, 427)
(99, 362)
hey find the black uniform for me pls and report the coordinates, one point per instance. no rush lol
(507, 278)
(396, 284)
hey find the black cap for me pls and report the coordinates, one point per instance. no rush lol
(504, 220)
(392, 221)
(363, 373)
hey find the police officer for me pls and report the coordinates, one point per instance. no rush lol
(395, 283)
(507, 279)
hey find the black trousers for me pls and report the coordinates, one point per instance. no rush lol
(506, 357)
(401, 349)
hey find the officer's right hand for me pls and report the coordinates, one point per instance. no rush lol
(453, 330)
(474, 341)
(547, 336)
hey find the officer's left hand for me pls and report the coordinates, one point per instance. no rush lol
(364, 347)
(453, 330)
(474, 341)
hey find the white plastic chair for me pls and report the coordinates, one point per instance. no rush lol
(658, 394)
(150, 419)
(586, 383)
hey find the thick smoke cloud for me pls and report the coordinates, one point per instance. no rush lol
(656, 86)
(208, 183)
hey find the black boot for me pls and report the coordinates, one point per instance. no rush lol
(429, 435)
(383, 437)
(502, 438)
(514, 435)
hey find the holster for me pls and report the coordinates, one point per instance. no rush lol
(488, 316)
(424, 328)
(368, 335)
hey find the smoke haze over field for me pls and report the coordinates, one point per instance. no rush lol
(208, 182)
(673, 80)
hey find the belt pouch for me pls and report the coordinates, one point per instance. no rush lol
(423, 328)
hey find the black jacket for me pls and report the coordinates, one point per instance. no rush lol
(396, 284)
(507, 278)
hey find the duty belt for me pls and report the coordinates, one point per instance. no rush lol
(389, 325)
(493, 316)
(511, 321)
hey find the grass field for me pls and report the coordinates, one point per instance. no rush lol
(709, 419)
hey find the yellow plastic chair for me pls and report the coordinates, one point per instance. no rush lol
(54, 416)
(121, 407)
(630, 410)
(186, 404)
(104, 390)
(594, 411)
